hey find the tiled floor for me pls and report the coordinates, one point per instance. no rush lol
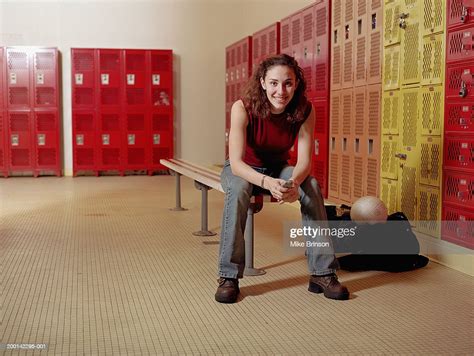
(102, 266)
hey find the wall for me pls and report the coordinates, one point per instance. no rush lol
(197, 30)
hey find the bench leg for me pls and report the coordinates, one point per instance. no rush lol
(204, 229)
(249, 246)
(178, 206)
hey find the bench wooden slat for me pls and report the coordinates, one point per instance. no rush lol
(211, 180)
(197, 167)
(206, 176)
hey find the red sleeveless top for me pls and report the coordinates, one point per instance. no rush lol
(269, 141)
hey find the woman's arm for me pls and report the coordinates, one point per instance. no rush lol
(237, 143)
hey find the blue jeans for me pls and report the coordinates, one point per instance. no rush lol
(237, 199)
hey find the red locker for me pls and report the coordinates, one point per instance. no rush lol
(20, 140)
(135, 79)
(160, 138)
(460, 12)
(161, 79)
(265, 42)
(2, 81)
(306, 55)
(322, 56)
(84, 78)
(297, 36)
(18, 82)
(135, 140)
(460, 45)
(32, 118)
(45, 84)
(460, 81)
(3, 147)
(109, 141)
(243, 65)
(321, 142)
(458, 188)
(285, 42)
(459, 152)
(110, 79)
(84, 128)
(459, 117)
(458, 226)
(3, 119)
(47, 145)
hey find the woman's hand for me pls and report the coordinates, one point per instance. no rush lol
(291, 195)
(279, 192)
(275, 186)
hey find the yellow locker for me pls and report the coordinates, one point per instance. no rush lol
(347, 161)
(389, 194)
(335, 144)
(361, 43)
(390, 110)
(431, 160)
(432, 110)
(334, 167)
(391, 23)
(375, 42)
(433, 61)
(389, 161)
(336, 113)
(409, 151)
(358, 175)
(391, 68)
(429, 210)
(433, 16)
(409, 118)
(410, 23)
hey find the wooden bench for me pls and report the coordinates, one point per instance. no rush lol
(204, 180)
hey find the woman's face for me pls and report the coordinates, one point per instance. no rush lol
(280, 85)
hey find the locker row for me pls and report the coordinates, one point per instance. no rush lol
(122, 105)
(116, 78)
(122, 110)
(29, 78)
(412, 128)
(29, 141)
(29, 111)
(111, 141)
(356, 45)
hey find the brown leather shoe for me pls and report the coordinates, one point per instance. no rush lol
(228, 290)
(329, 285)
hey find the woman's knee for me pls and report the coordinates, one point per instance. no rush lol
(311, 186)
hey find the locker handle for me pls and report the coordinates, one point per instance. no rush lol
(464, 14)
(463, 90)
(402, 21)
(401, 155)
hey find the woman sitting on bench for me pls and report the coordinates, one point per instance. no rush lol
(273, 111)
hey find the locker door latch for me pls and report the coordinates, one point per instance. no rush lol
(401, 155)
(402, 20)
(463, 90)
(464, 14)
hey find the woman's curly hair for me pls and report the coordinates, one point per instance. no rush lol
(255, 98)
